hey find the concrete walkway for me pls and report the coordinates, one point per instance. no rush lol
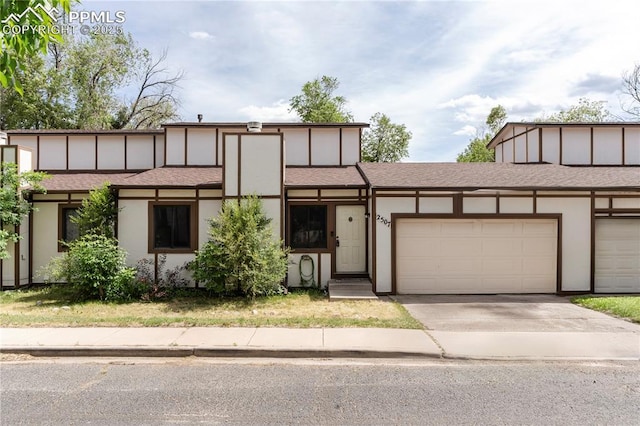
(319, 343)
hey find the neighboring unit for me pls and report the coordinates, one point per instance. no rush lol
(558, 212)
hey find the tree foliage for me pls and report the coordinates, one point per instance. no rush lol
(94, 267)
(241, 256)
(318, 104)
(98, 213)
(13, 205)
(585, 111)
(80, 85)
(631, 91)
(16, 47)
(385, 142)
(477, 151)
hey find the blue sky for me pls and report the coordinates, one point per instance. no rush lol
(436, 66)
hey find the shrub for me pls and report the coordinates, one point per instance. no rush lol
(95, 268)
(161, 284)
(98, 213)
(241, 256)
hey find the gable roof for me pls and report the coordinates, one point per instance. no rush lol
(474, 176)
(507, 131)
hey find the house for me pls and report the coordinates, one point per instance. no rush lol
(558, 211)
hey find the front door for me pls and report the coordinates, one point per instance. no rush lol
(351, 252)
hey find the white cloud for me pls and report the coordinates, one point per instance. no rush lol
(278, 111)
(200, 35)
(466, 131)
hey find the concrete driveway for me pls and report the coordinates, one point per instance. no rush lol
(510, 313)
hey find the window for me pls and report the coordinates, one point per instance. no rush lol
(172, 227)
(308, 227)
(67, 230)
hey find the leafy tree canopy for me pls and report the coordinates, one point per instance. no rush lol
(318, 104)
(585, 111)
(477, 151)
(16, 46)
(385, 142)
(80, 85)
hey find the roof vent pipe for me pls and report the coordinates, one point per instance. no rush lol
(254, 127)
(199, 118)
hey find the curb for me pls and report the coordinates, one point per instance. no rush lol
(212, 352)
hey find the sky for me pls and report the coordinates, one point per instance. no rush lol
(438, 67)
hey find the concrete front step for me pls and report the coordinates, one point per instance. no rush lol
(351, 289)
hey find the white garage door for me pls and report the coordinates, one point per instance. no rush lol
(475, 256)
(617, 256)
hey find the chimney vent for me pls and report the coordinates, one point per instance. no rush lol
(199, 118)
(254, 127)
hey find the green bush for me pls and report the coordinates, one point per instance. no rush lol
(242, 256)
(94, 267)
(98, 212)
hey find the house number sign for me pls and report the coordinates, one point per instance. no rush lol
(383, 220)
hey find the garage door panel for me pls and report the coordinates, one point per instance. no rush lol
(476, 256)
(617, 255)
(539, 229)
(501, 247)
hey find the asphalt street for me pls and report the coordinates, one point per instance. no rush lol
(194, 391)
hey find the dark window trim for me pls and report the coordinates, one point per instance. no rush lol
(61, 227)
(193, 231)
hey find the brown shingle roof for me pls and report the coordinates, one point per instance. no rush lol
(179, 177)
(499, 175)
(323, 177)
(81, 181)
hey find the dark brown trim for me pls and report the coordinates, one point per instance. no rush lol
(283, 192)
(30, 252)
(535, 202)
(16, 259)
(624, 142)
(513, 144)
(526, 147)
(396, 216)
(540, 152)
(217, 147)
(458, 205)
(592, 253)
(497, 202)
(374, 254)
(186, 145)
(38, 154)
(164, 146)
(560, 146)
(417, 201)
(154, 152)
(193, 231)
(360, 144)
(66, 142)
(125, 152)
(340, 136)
(309, 146)
(117, 219)
(239, 170)
(619, 211)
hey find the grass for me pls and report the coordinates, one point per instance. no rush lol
(53, 307)
(627, 307)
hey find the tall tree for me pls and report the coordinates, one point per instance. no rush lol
(585, 111)
(385, 142)
(318, 104)
(79, 85)
(16, 46)
(631, 91)
(477, 151)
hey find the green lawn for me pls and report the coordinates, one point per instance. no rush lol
(52, 306)
(621, 306)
